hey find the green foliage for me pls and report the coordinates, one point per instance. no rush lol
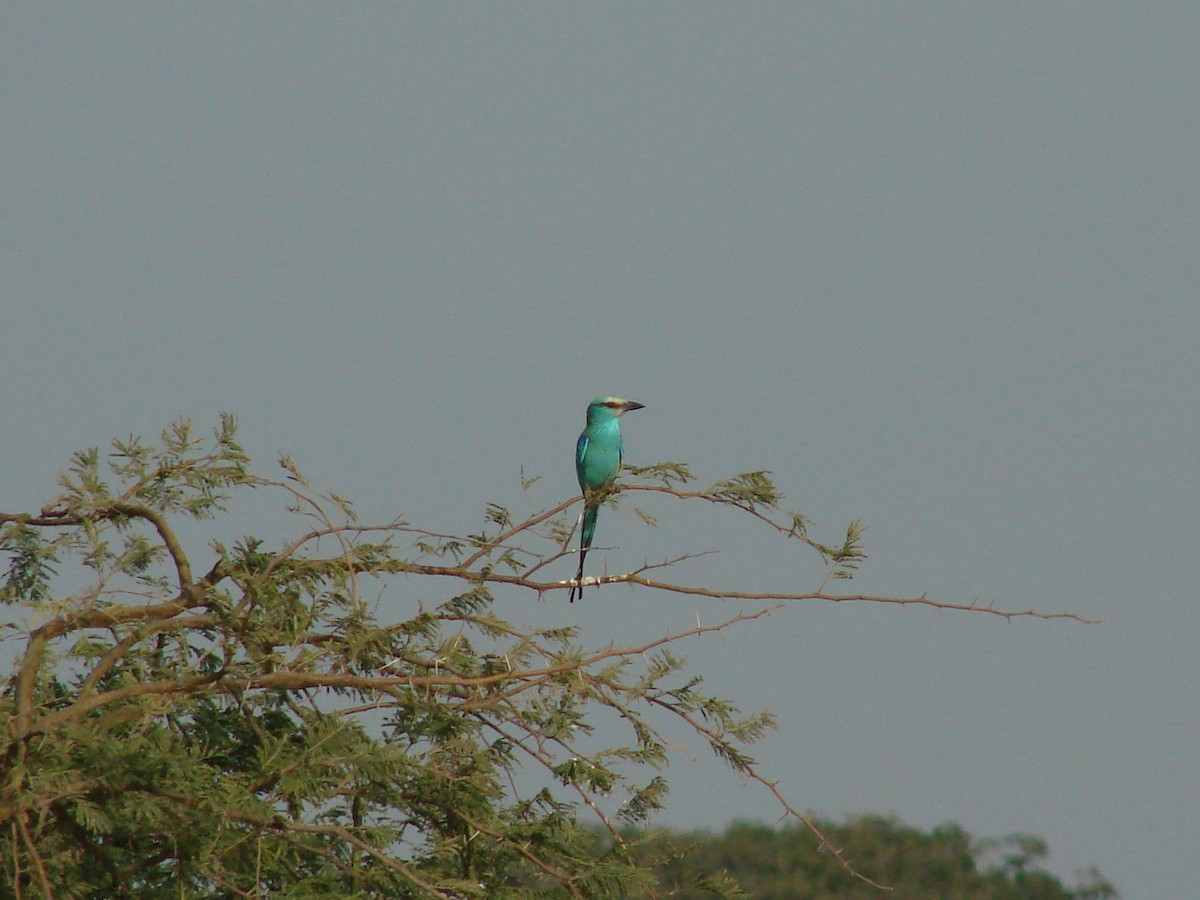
(31, 563)
(749, 490)
(753, 860)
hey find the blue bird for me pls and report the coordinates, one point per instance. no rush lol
(598, 457)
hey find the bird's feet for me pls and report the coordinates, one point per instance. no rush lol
(577, 585)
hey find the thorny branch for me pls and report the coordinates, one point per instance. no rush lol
(200, 605)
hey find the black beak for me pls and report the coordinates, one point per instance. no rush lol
(631, 404)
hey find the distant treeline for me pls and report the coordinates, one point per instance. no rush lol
(761, 861)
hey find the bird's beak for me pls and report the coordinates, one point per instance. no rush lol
(631, 404)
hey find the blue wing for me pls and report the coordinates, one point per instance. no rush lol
(580, 454)
(621, 453)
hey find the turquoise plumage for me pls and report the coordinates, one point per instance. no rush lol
(598, 455)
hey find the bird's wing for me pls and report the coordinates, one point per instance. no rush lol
(621, 453)
(581, 451)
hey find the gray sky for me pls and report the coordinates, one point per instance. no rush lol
(935, 266)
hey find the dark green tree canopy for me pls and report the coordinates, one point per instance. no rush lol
(780, 863)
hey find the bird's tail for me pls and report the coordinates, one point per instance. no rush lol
(589, 526)
(585, 541)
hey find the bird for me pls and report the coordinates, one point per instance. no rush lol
(598, 454)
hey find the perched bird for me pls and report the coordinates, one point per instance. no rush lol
(597, 460)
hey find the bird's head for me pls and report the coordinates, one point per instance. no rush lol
(610, 408)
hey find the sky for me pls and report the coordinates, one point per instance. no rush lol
(933, 265)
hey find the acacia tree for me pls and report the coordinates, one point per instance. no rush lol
(233, 719)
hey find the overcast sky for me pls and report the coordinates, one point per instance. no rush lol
(935, 266)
